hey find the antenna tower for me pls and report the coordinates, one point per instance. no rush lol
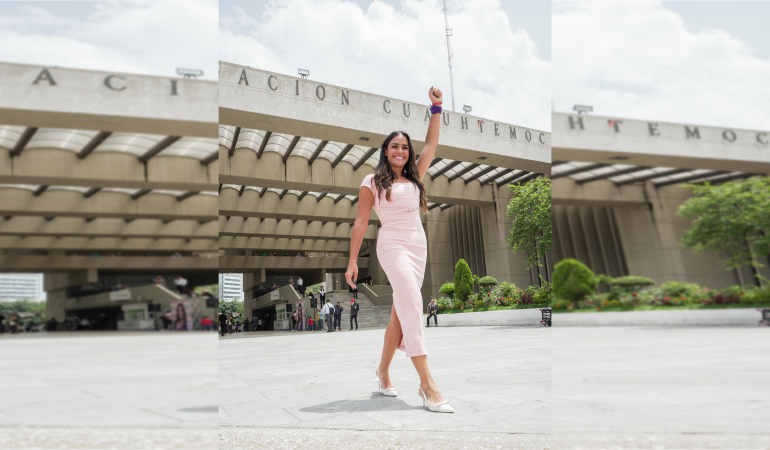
(449, 54)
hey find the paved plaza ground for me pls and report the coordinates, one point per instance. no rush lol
(108, 390)
(661, 387)
(317, 390)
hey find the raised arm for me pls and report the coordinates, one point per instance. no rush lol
(365, 203)
(431, 140)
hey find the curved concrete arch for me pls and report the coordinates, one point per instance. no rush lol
(123, 244)
(71, 140)
(106, 227)
(270, 244)
(303, 229)
(50, 162)
(250, 204)
(53, 203)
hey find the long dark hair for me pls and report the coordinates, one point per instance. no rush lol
(384, 175)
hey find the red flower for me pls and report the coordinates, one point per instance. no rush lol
(634, 294)
(667, 299)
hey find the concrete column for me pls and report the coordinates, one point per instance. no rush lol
(501, 263)
(440, 266)
(375, 269)
(651, 234)
(56, 284)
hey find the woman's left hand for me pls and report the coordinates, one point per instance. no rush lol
(435, 95)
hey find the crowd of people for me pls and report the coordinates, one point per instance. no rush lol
(229, 324)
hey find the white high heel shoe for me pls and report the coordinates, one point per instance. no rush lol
(442, 406)
(388, 392)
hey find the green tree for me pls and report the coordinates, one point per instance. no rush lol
(233, 306)
(733, 218)
(212, 288)
(530, 209)
(23, 306)
(463, 280)
(573, 280)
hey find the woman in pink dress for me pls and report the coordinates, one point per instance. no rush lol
(396, 193)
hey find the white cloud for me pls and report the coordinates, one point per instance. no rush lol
(399, 52)
(638, 60)
(140, 37)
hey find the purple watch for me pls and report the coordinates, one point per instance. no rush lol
(435, 109)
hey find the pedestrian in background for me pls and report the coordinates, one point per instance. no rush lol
(329, 313)
(433, 312)
(338, 316)
(353, 313)
(321, 313)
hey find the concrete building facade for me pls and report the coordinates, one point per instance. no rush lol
(617, 188)
(107, 182)
(293, 153)
(18, 286)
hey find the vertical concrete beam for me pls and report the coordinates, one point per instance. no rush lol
(439, 268)
(501, 263)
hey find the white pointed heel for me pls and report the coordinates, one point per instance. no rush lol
(438, 407)
(388, 392)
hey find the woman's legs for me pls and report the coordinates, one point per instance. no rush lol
(392, 339)
(426, 380)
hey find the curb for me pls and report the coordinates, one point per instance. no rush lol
(511, 317)
(694, 317)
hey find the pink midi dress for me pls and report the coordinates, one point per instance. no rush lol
(402, 250)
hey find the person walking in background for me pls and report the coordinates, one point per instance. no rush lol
(338, 316)
(254, 323)
(353, 313)
(321, 314)
(222, 323)
(245, 323)
(355, 290)
(329, 313)
(397, 194)
(322, 295)
(207, 324)
(291, 281)
(300, 289)
(433, 311)
(294, 321)
(181, 284)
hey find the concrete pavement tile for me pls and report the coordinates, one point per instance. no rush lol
(261, 419)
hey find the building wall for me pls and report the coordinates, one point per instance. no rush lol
(17, 286)
(642, 239)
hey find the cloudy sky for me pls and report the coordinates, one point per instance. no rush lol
(693, 62)
(148, 37)
(397, 49)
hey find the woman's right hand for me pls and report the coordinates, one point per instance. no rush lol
(352, 274)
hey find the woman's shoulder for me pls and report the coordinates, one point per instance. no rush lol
(368, 180)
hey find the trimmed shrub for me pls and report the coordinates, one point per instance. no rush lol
(486, 284)
(677, 289)
(573, 280)
(631, 283)
(463, 280)
(448, 289)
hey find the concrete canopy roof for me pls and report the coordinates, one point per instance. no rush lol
(443, 172)
(621, 174)
(263, 100)
(609, 141)
(57, 97)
